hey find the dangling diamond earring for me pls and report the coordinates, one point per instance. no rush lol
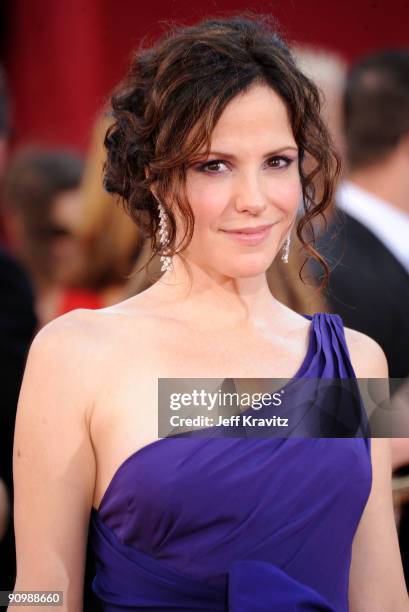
(165, 259)
(286, 249)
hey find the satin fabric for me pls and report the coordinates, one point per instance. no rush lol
(246, 525)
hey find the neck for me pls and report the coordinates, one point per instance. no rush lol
(216, 300)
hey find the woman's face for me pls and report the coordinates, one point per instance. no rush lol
(245, 194)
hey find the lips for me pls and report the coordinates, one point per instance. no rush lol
(250, 236)
(249, 230)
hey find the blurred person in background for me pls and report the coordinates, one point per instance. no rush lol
(329, 71)
(42, 209)
(367, 245)
(17, 326)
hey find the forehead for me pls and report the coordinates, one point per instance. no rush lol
(258, 117)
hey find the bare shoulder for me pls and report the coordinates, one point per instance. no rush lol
(59, 367)
(74, 336)
(75, 328)
(367, 356)
(87, 335)
(88, 349)
(81, 348)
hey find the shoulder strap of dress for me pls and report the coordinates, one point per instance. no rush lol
(334, 345)
(333, 335)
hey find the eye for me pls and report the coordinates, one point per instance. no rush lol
(213, 167)
(279, 162)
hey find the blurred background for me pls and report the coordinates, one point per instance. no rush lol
(62, 59)
(64, 243)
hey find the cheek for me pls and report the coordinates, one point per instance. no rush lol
(208, 199)
(285, 194)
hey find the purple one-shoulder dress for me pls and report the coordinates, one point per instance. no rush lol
(246, 525)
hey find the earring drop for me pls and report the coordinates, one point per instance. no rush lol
(165, 259)
(286, 249)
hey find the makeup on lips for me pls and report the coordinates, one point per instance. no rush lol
(251, 236)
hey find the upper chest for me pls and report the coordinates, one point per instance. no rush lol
(125, 415)
(175, 351)
(142, 357)
(127, 393)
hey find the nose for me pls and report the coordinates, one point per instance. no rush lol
(248, 195)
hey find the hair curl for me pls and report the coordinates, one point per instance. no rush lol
(166, 108)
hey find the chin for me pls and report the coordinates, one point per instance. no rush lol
(246, 267)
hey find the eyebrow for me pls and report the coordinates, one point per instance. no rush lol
(270, 154)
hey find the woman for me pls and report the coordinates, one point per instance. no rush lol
(43, 207)
(211, 131)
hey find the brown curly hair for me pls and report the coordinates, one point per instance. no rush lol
(166, 108)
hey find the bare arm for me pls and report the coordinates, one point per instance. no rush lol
(376, 578)
(54, 465)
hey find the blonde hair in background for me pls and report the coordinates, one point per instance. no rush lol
(110, 238)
